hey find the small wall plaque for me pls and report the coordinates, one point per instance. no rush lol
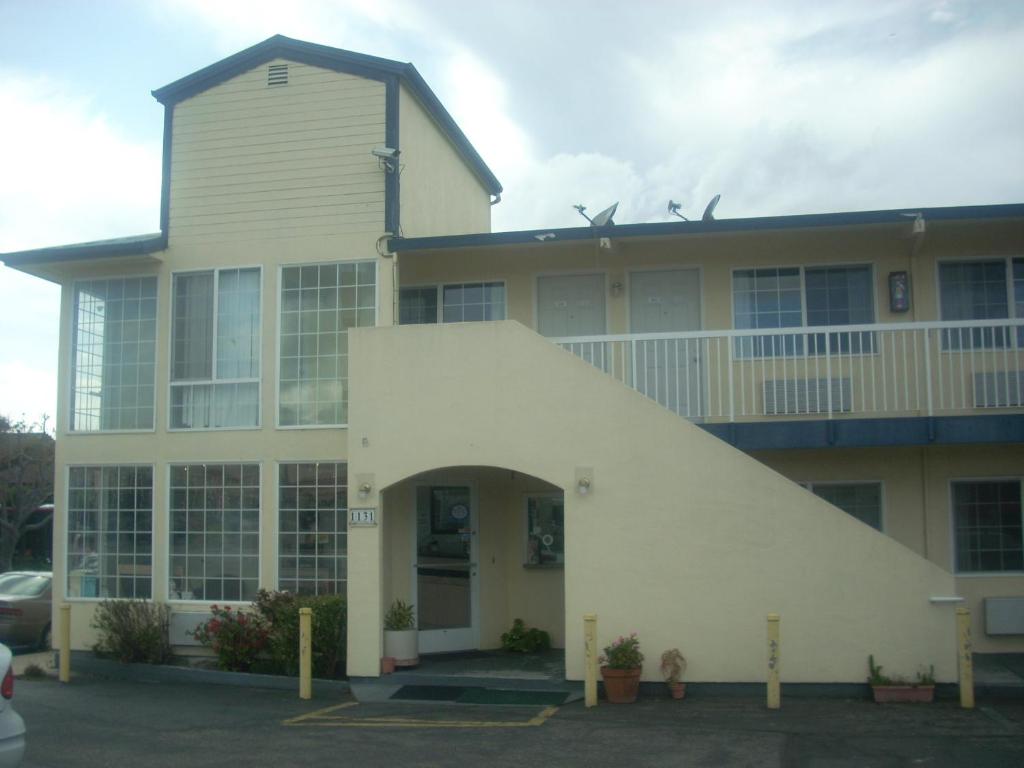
(365, 516)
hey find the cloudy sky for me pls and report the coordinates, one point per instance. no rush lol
(783, 107)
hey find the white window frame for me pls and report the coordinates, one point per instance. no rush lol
(67, 529)
(439, 288)
(952, 526)
(72, 347)
(802, 272)
(278, 333)
(168, 555)
(810, 485)
(214, 380)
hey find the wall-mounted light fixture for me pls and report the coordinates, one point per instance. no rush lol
(617, 288)
(364, 490)
(584, 480)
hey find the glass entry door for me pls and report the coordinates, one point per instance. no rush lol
(446, 570)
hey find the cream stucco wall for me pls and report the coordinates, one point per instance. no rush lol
(440, 194)
(683, 539)
(917, 506)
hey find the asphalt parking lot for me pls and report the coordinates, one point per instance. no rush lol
(92, 722)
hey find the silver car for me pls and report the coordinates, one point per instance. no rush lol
(25, 605)
(12, 727)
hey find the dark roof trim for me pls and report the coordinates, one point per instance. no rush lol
(665, 228)
(135, 245)
(336, 59)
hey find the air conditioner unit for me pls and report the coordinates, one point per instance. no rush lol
(1004, 615)
(796, 396)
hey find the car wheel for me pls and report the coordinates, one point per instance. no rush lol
(46, 639)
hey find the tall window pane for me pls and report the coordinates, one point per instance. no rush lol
(215, 349)
(840, 296)
(417, 306)
(469, 302)
(215, 531)
(113, 354)
(312, 538)
(767, 298)
(987, 516)
(110, 531)
(319, 303)
(973, 290)
(861, 500)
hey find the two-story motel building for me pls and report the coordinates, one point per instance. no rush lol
(677, 426)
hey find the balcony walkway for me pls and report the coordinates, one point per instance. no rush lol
(878, 371)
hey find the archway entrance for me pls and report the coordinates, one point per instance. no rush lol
(473, 549)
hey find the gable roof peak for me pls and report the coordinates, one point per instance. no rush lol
(339, 60)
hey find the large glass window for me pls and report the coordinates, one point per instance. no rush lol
(110, 531)
(319, 303)
(860, 500)
(452, 303)
(987, 521)
(215, 531)
(312, 540)
(992, 289)
(793, 297)
(215, 349)
(113, 354)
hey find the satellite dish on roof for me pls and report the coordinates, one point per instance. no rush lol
(709, 212)
(604, 218)
(673, 208)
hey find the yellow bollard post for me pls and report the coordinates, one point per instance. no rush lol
(590, 659)
(774, 692)
(305, 653)
(65, 643)
(965, 658)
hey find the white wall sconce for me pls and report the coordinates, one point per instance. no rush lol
(617, 289)
(584, 480)
(364, 490)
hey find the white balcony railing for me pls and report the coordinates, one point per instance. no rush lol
(897, 369)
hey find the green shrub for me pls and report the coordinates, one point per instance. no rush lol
(238, 638)
(399, 617)
(522, 640)
(133, 631)
(280, 611)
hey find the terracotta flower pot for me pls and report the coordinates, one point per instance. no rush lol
(885, 694)
(678, 690)
(387, 665)
(621, 685)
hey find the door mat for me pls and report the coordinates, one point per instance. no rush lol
(473, 695)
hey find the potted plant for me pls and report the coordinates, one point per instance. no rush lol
(400, 636)
(621, 665)
(673, 666)
(898, 689)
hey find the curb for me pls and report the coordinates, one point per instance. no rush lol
(85, 663)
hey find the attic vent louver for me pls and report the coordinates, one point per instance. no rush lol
(277, 74)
